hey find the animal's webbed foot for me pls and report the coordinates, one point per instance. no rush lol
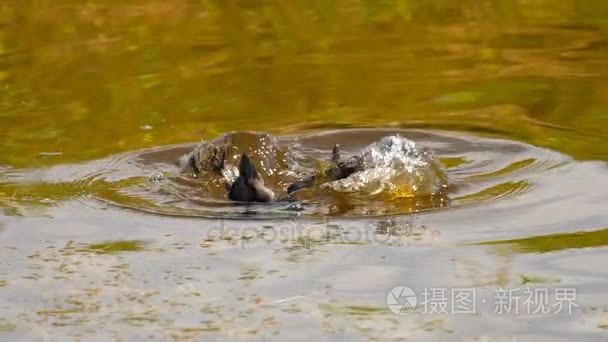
(337, 169)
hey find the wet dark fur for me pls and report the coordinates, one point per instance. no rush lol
(249, 185)
(337, 170)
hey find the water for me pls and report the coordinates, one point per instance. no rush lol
(100, 238)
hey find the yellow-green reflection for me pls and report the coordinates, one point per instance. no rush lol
(42, 193)
(352, 310)
(555, 242)
(449, 163)
(6, 326)
(117, 246)
(495, 192)
(91, 79)
(506, 170)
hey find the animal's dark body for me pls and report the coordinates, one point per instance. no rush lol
(338, 169)
(249, 185)
(392, 161)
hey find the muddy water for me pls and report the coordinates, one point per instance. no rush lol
(100, 239)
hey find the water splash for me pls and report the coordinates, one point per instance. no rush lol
(401, 176)
(396, 165)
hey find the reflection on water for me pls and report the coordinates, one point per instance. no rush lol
(556, 242)
(116, 246)
(148, 180)
(88, 80)
(97, 97)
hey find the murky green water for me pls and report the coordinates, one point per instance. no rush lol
(97, 97)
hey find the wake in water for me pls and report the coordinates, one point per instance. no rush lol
(393, 175)
(394, 164)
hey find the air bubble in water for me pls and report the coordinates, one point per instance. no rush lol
(156, 177)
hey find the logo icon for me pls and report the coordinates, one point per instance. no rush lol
(401, 300)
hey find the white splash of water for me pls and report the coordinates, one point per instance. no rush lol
(393, 163)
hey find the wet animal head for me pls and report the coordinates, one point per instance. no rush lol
(249, 185)
(204, 157)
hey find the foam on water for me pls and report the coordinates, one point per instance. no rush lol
(396, 164)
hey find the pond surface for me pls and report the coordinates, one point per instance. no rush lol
(97, 101)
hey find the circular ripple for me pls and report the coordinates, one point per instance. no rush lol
(479, 170)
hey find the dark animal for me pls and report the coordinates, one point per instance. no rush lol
(337, 169)
(249, 185)
(392, 153)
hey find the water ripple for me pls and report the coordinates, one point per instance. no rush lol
(479, 170)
